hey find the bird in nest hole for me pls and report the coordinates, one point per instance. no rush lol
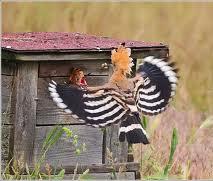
(77, 78)
(122, 100)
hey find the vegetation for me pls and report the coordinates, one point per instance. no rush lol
(189, 160)
(19, 172)
(187, 29)
(161, 174)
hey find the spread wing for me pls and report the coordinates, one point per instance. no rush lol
(96, 108)
(160, 80)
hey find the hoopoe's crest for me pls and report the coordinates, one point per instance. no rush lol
(122, 60)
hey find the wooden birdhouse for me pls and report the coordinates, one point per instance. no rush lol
(29, 62)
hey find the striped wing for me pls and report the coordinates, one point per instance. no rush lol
(160, 81)
(96, 108)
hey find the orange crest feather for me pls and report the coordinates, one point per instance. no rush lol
(121, 58)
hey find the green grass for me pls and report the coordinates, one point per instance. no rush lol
(174, 142)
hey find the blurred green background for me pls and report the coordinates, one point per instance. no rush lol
(186, 27)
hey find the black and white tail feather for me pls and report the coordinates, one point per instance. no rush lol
(104, 107)
(132, 130)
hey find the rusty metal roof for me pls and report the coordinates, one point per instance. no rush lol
(65, 42)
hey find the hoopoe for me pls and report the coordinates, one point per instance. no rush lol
(122, 99)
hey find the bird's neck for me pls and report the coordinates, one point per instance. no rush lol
(118, 76)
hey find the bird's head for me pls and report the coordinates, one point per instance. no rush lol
(77, 77)
(121, 59)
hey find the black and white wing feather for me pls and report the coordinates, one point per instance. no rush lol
(160, 81)
(96, 108)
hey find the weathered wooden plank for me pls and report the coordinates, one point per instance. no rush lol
(119, 150)
(63, 153)
(83, 55)
(104, 176)
(47, 111)
(8, 68)
(163, 52)
(6, 135)
(62, 56)
(7, 86)
(97, 176)
(98, 168)
(25, 117)
(7, 118)
(7, 55)
(93, 67)
(8, 99)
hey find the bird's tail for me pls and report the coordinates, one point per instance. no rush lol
(132, 130)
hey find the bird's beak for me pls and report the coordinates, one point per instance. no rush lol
(83, 81)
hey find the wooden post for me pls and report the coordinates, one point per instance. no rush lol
(119, 150)
(25, 114)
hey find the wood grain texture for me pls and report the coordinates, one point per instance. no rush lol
(6, 134)
(8, 99)
(119, 149)
(62, 56)
(92, 67)
(104, 176)
(63, 153)
(25, 116)
(157, 52)
(98, 168)
(8, 68)
(47, 111)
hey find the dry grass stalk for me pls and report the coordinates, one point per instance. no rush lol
(194, 155)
